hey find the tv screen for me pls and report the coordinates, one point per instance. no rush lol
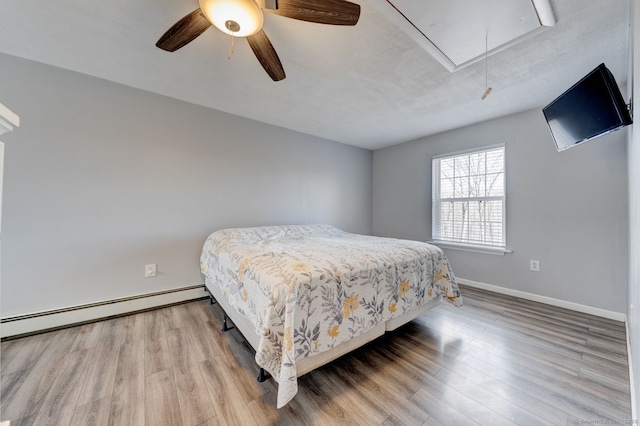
(590, 108)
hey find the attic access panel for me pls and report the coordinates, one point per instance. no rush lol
(454, 31)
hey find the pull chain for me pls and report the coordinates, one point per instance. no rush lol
(486, 62)
(487, 89)
(230, 48)
(233, 27)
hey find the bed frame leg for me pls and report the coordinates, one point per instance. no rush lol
(263, 375)
(225, 326)
(212, 301)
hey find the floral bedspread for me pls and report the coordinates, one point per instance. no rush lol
(308, 288)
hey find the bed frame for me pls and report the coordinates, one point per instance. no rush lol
(308, 364)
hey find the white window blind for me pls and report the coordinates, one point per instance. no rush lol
(469, 197)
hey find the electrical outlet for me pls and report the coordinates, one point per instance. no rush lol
(534, 265)
(150, 270)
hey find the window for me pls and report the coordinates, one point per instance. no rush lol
(469, 198)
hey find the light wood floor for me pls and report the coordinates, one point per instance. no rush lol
(497, 360)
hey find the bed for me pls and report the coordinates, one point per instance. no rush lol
(303, 295)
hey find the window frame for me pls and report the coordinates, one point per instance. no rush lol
(436, 201)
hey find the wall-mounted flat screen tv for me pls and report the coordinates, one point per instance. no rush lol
(590, 108)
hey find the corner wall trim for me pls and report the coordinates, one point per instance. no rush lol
(603, 313)
(58, 318)
(632, 385)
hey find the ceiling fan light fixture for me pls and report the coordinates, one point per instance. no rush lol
(240, 18)
(244, 18)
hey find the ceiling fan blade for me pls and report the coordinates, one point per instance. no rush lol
(334, 12)
(184, 31)
(267, 55)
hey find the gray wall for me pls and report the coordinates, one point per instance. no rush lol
(101, 179)
(567, 209)
(633, 319)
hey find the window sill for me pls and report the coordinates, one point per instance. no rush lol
(499, 251)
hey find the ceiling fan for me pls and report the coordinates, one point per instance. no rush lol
(244, 18)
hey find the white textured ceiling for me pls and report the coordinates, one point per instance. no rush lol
(370, 85)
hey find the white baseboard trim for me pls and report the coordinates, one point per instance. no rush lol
(47, 320)
(603, 313)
